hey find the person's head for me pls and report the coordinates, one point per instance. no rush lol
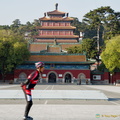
(40, 66)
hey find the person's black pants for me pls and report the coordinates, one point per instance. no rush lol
(29, 103)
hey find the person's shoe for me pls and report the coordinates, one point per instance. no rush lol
(24, 118)
(30, 118)
(27, 118)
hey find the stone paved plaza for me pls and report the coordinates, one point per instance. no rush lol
(63, 109)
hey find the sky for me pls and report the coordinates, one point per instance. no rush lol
(28, 10)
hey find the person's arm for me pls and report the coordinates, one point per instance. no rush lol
(27, 81)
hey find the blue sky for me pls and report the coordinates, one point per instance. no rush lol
(28, 10)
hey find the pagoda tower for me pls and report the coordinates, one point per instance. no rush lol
(55, 33)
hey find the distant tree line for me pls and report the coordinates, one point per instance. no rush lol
(19, 28)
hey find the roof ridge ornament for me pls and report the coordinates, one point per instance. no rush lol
(44, 14)
(67, 14)
(55, 41)
(56, 6)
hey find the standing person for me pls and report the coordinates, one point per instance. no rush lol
(29, 84)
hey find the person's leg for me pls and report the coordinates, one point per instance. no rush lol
(29, 102)
(29, 105)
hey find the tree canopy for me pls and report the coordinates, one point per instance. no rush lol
(89, 46)
(111, 55)
(105, 21)
(13, 51)
(74, 49)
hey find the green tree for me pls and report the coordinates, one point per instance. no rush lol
(13, 51)
(83, 27)
(36, 22)
(112, 25)
(89, 46)
(15, 26)
(75, 49)
(111, 55)
(29, 28)
(5, 27)
(97, 20)
(76, 23)
(16, 22)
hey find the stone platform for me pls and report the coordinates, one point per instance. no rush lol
(55, 94)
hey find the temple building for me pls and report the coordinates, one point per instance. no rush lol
(55, 35)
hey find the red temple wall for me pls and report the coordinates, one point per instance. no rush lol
(74, 73)
(9, 76)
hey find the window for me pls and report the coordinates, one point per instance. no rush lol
(56, 32)
(56, 23)
(67, 24)
(62, 32)
(49, 32)
(96, 77)
(67, 32)
(45, 24)
(71, 32)
(44, 32)
(50, 24)
(62, 24)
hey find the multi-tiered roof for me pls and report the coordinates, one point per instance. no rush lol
(56, 30)
(56, 26)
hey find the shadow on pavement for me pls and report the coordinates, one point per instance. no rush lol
(113, 99)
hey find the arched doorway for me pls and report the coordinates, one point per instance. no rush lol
(22, 77)
(82, 78)
(68, 78)
(52, 78)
